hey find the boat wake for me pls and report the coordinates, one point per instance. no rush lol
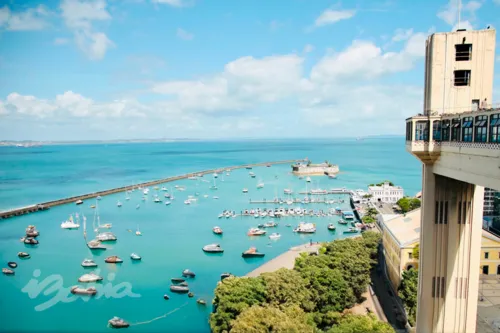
(160, 317)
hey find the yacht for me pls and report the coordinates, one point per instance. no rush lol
(89, 278)
(331, 227)
(31, 231)
(308, 179)
(216, 197)
(252, 252)
(145, 191)
(252, 174)
(305, 228)
(8, 271)
(256, 232)
(167, 203)
(245, 190)
(351, 231)
(164, 189)
(95, 245)
(12, 264)
(77, 290)
(113, 260)
(188, 273)
(88, 263)
(135, 256)
(98, 197)
(287, 191)
(342, 221)
(179, 289)
(217, 230)
(79, 202)
(118, 204)
(187, 202)
(274, 235)
(117, 322)
(216, 175)
(157, 200)
(260, 185)
(270, 224)
(23, 255)
(106, 237)
(70, 224)
(213, 248)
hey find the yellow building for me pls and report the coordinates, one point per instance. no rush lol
(400, 235)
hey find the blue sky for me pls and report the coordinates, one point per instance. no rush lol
(120, 69)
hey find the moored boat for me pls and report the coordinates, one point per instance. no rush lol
(12, 264)
(177, 280)
(135, 256)
(77, 290)
(225, 276)
(342, 221)
(274, 235)
(245, 190)
(23, 255)
(331, 226)
(89, 263)
(8, 271)
(252, 252)
(78, 202)
(213, 248)
(217, 230)
(113, 260)
(188, 273)
(88, 278)
(31, 231)
(106, 237)
(256, 232)
(351, 231)
(117, 322)
(95, 245)
(179, 289)
(305, 228)
(30, 241)
(70, 224)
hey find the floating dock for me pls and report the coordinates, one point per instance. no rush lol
(46, 205)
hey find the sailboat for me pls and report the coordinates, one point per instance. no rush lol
(260, 184)
(93, 244)
(214, 186)
(138, 233)
(98, 219)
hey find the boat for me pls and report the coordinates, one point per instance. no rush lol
(260, 185)
(248, 168)
(127, 198)
(201, 301)
(145, 191)
(216, 197)
(251, 174)
(118, 204)
(113, 260)
(179, 289)
(187, 202)
(117, 322)
(270, 224)
(215, 175)
(30, 241)
(91, 291)
(256, 232)
(332, 176)
(95, 245)
(88, 263)
(106, 226)
(23, 255)
(188, 273)
(287, 191)
(183, 284)
(88, 278)
(245, 190)
(8, 271)
(106, 237)
(164, 189)
(12, 264)
(308, 179)
(342, 221)
(78, 202)
(331, 226)
(274, 235)
(135, 256)
(213, 248)
(167, 203)
(217, 230)
(138, 232)
(351, 230)
(252, 252)
(98, 197)
(305, 228)
(70, 224)
(157, 199)
(214, 186)
(165, 296)
(31, 231)
(177, 280)
(225, 276)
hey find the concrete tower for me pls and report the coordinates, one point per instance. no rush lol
(457, 138)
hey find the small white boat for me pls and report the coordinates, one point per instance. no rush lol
(157, 200)
(167, 203)
(245, 190)
(287, 191)
(106, 237)
(205, 195)
(216, 197)
(213, 248)
(70, 224)
(138, 233)
(79, 202)
(216, 175)
(83, 291)
(145, 191)
(135, 256)
(138, 206)
(89, 263)
(95, 245)
(164, 189)
(251, 174)
(274, 235)
(260, 185)
(187, 202)
(118, 204)
(98, 197)
(88, 278)
(117, 322)
(308, 179)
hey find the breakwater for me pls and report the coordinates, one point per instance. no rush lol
(47, 205)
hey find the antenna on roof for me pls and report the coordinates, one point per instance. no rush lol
(459, 12)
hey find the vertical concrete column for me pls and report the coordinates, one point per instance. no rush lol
(450, 246)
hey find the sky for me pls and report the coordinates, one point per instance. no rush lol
(217, 69)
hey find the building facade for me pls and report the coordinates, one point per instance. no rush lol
(385, 193)
(489, 200)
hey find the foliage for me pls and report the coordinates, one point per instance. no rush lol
(366, 196)
(232, 296)
(350, 323)
(286, 287)
(372, 241)
(258, 319)
(368, 219)
(382, 183)
(371, 212)
(408, 293)
(407, 204)
(416, 252)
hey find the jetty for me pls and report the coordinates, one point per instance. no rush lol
(46, 205)
(306, 168)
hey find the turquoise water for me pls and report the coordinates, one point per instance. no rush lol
(172, 235)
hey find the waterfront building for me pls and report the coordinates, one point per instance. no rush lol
(385, 193)
(457, 138)
(401, 234)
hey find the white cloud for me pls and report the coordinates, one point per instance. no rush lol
(308, 48)
(61, 41)
(29, 19)
(29, 105)
(449, 14)
(330, 16)
(183, 34)
(173, 3)
(401, 35)
(3, 109)
(80, 16)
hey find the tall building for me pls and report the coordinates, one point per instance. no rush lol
(489, 200)
(385, 193)
(457, 138)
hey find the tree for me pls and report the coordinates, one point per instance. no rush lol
(416, 252)
(372, 241)
(368, 219)
(258, 319)
(408, 293)
(371, 212)
(232, 296)
(408, 204)
(285, 288)
(350, 323)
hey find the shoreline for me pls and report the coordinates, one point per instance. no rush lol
(46, 205)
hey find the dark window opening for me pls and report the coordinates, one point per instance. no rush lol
(486, 255)
(409, 130)
(495, 128)
(480, 129)
(445, 130)
(436, 130)
(462, 78)
(467, 129)
(455, 129)
(463, 52)
(422, 131)
(475, 104)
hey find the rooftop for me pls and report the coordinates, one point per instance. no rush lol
(405, 228)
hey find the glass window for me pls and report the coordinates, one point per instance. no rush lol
(463, 52)
(409, 130)
(495, 128)
(422, 131)
(445, 130)
(480, 129)
(455, 129)
(467, 129)
(486, 255)
(436, 130)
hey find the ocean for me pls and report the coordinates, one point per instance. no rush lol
(172, 236)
